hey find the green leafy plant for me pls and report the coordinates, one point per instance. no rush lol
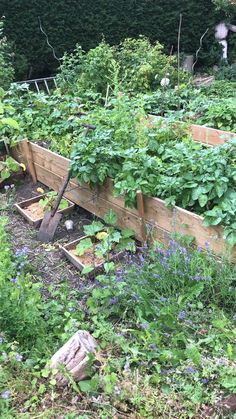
(105, 241)
(7, 167)
(47, 202)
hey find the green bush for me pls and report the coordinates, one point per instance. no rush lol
(6, 68)
(136, 65)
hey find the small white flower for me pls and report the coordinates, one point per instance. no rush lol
(165, 82)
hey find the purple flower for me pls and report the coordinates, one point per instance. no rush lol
(234, 317)
(144, 325)
(141, 259)
(14, 280)
(205, 380)
(22, 252)
(190, 370)
(207, 245)
(199, 249)
(19, 357)
(6, 187)
(113, 301)
(182, 315)
(126, 366)
(153, 346)
(1, 340)
(117, 391)
(6, 394)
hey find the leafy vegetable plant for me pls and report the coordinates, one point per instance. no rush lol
(47, 202)
(7, 167)
(105, 241)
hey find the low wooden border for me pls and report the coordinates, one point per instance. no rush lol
(20, 206)
(202, 134)
(50, 169)
(77, 263)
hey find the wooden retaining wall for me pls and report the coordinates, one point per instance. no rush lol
(51, 168)
(206, 135)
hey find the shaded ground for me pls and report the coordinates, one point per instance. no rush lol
(48, 260)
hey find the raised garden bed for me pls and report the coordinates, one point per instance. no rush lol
(10, 170)
(88, 258)
(50, 169)
(31, 210)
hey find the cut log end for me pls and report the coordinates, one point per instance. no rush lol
(74, 357)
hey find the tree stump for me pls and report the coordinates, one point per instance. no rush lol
(74, 357)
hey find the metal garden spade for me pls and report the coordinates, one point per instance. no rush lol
(52, 218)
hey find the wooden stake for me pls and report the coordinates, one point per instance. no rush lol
(29, 159)
(140, 207)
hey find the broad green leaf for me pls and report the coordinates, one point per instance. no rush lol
(202, 199)
(110, 217)
(10, 122)
(84, 245)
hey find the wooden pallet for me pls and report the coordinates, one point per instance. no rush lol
(50, 169)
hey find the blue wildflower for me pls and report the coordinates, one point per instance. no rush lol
(117, 391)
(113, 301)
(153, 346)
(182, 315)
(19, 357)
(234, 317)
(190, 370)
(14, 280)
(6, 394)
(144, 325)
(1, 340)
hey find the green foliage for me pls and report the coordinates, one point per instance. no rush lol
(139, 157)
(6, 68)
(8, 167)
(48, 201)
(166, 326)
(220, 114)
(226, 72)
(105, 241)
(87, 22)
(136, 64)
(20, 308)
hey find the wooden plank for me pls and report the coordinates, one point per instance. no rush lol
(27, 151)
(200, 133)
(51, 168)
(88, 200)
(210, 136)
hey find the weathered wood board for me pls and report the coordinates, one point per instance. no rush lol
(51, 168)
(206, 135)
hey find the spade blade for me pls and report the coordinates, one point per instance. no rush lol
(48, 226)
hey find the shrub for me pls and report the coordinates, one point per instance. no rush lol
(6, 68)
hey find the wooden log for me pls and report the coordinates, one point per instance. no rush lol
(73, 356)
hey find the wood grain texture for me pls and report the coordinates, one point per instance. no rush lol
(159, 220)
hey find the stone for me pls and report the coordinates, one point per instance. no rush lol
(73, 355)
